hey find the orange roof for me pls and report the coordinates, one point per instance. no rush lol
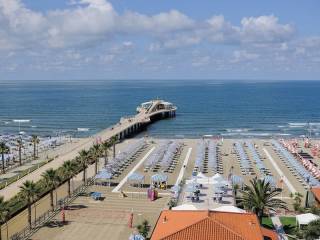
(269, 234)
(208, 225)
(316, 193)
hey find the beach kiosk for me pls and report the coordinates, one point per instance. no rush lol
(159, 180)
(136, 179)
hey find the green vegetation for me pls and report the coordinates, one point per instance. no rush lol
(105, 148)
(20, 146)
(35, 141)
(68, 169)
(30, 192)
(4, 214)
(3, 150)
(258, 197)
(267, 222)
(83, 157)
(51, 179)
(172, 203)
(96, 151)
(297, 201)
(144, 228)
(312, 231)
(289, 225)
(23, 173)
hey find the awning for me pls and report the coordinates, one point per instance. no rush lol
(159, 178)
(305, 219)
(136, 177)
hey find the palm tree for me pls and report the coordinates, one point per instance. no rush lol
(30, 191)
(113, 141)
(235, 189)
(105, 147)
(96, 153)
(4, 149)
(4, 214)
(52, 180)
(297, 198)
(84, 163)
(144, 228)
(68, 169)
(312, 231)
(20, 145)
(259, 197)
(35, 141)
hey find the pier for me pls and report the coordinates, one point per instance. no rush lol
(147, 113)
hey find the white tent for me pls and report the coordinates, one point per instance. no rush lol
(229, 209)
(217, 178)
(305, 219)
(201, 175)
(185, 207)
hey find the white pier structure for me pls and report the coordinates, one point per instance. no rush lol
(147, 113)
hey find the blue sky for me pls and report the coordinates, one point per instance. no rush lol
(159, 39)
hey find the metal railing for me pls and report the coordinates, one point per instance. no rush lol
(27, 232)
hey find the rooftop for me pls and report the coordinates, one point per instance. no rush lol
(316, 193)
(209, 225)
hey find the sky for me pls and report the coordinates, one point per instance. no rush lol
(159, 39)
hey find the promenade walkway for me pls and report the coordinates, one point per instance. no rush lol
(279, 228)
(85, 143)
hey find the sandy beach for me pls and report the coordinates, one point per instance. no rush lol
(137, 195)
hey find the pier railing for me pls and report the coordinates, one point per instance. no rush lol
(40, 221)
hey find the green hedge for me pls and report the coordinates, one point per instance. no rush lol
(23, 173)
(17, 203)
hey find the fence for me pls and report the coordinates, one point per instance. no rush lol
(47, 216)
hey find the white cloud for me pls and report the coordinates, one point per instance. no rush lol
(265, 29)
(243, 55)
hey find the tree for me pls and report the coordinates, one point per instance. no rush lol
(105, 148)
(83, 154)
(297, 198)
(35, 141)
(96, 153)
(4, 214)
(68, 170)
(113, 142)
(235, 189)
(312, 231)
(144, 228)
(259, 197)
(20, 146)
(51, 181)
(29, 191)
(4, 149)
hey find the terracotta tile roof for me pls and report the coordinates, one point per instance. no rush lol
(208, 225)
(316, 193)
(269, 234)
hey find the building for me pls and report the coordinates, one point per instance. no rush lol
(314, 197)
(209, 225)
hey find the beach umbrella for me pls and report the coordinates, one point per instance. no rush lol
(136, 237)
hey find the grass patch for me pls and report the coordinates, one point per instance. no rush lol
(289, 225)
(267, 223)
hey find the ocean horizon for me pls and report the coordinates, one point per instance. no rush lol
(242, 108)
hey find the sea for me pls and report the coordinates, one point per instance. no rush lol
(205, 107)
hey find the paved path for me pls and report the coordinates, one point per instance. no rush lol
(182, 170)
(281, 174)
(279, 228)
(124, 180)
